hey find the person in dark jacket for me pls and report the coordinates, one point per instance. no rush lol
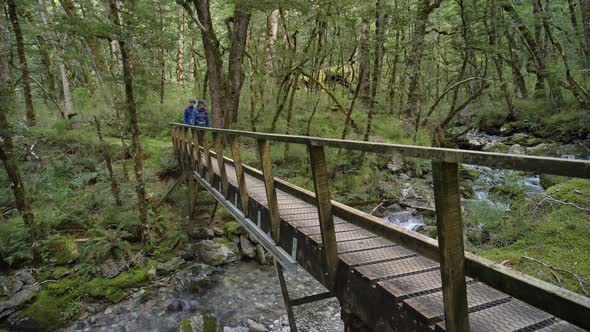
(189, 112)
(201, 119)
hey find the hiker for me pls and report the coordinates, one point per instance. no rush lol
(189, 112)
(201, 119)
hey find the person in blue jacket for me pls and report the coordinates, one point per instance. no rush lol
(201, 119)
(189, 111)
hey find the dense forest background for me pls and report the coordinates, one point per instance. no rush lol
(88, 89)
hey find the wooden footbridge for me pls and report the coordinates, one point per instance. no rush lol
(385, 277)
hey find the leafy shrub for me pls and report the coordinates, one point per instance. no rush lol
(15, 247)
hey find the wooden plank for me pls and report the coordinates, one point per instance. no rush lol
(430, 307)
(219, 144)
(507, 317)
(347, 236)
(269, 184)
(412, 285)
(371, 256)
(561, 326)
(338, 227)
(241, 179)
(539, 165)
(396, 268)
(364, 244)
(449, 223)
(319, 172)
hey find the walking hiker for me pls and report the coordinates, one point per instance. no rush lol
(189, 112)
(201, 119)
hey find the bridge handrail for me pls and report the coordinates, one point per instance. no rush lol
(553, 299)
(540, 165)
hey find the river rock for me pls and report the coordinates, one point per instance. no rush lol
(111, 269)
(200, 323)
(170, 266)
(396, 163)
(519, 138)
(232, 229)
(256, 327)
(248, 248)
(235, 329)
(18, 300)
(496, 147)
(216, 252)
(10, 285)
(516, 149)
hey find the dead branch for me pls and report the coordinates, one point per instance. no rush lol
(555, 200)
(581, 281)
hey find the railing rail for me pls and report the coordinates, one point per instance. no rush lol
(455, 263)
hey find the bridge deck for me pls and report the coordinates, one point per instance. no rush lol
(388, 286)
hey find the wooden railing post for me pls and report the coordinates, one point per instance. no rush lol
(199, 167)
(219, 145)
(206, 148)
(241, 178)
(449, 223)
(324, 204)
(269, 185)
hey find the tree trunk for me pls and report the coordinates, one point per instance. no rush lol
(365, 59)
(585, 9)
(180, 49)
(378, 62)
(6, 146)
(272, 28)
(236, 58)
(415, 60)
(67, 93)
(24, 68)
(132, 116)
(107, 158)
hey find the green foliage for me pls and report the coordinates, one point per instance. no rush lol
(106, 243)
(14, 242)
(60, 249)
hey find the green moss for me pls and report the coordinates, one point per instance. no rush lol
(509, 191)
(211, 324)
(232, 228)
(548, 181)
(558, 239)
(185, 326)
(498, 147)
(46, 310)
(63, 250)
(58, 272)
(471, 174)
(112, 289)
(533, 141)
(575, 191)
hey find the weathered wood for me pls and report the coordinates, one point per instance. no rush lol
(324, 204)
(449, 224)
(207, 152)
(539, 165)
(219, 145)
(310, 299)
(269, 185)
(197, 148)
(285, 293)
(241, 178)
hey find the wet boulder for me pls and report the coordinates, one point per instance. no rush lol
(248, 249)
(111, 268)
(216, 252)
(516, 149)
(206, 322)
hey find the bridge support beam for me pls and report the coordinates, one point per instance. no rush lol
(449, 224)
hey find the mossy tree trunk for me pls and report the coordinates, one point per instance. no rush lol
(6, 147)
(131, 112)
(22, 59)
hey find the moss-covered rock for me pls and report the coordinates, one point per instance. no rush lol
(200, 323)
(216, 252)
(467, 190)
(62, 250)
(548, 180)
(469, 174)
(232, 229)
(512, 192)
(519, 138)
(46, 309)
(113, 289)
(533, 141)
(497, 147)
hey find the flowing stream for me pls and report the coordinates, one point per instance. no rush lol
(235, 293)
